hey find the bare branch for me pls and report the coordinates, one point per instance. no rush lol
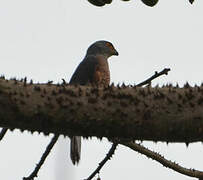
(156, 75)
(167, 163)
(3, 132)
(101, 164)
(43, 158)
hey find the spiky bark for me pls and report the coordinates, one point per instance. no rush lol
(168, 114)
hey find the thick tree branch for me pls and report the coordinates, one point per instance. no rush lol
(167, 163)
(167, 114)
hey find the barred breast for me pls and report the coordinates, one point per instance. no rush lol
(102, 73)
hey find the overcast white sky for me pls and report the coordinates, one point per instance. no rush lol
(46, 39)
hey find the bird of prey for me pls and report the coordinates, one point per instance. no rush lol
(93, 69)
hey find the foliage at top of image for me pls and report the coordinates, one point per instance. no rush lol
(150, 3)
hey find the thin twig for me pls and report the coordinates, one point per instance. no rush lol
(101, 164)
(167, 163)
(43, 158)
(148, 81)
(3, 132)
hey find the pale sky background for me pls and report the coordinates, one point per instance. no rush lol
(46, 39)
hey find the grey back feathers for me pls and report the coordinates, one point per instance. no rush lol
(85, 71)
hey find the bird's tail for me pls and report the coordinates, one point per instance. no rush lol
(75, 149)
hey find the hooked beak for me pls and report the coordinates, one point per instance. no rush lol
(115, 53)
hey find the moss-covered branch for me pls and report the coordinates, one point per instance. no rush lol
(168, 114)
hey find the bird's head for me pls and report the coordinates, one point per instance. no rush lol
(102, 48)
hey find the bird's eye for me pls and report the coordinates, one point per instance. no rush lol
(109, 45)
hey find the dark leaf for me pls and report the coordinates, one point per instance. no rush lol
(108, 1)
(97, 2)
(150, 2)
